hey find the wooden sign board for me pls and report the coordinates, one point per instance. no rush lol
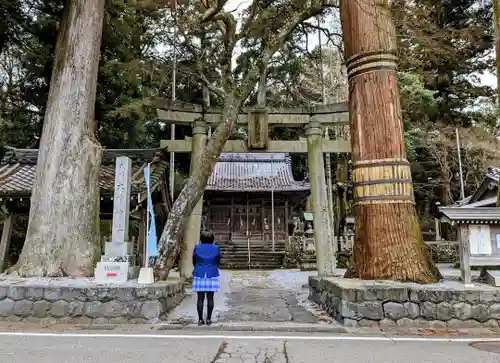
(484, 245)
(258, 129)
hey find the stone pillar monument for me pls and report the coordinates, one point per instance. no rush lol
(119, 262)
(319, 200)
(193, 225)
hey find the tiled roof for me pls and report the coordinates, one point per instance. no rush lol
(253, 172)
(471, 214)
(18, 168)
(491, 181)
(493, 173)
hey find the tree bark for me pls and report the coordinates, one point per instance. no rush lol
(389, 243)
(195, 187)
(63, 229)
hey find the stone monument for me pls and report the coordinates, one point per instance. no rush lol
(118, 264)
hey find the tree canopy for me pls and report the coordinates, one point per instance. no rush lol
(443, 47)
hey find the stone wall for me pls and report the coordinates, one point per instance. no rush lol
(82, 301)
(356, 302)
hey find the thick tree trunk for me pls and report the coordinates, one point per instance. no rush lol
(388, 244)
(170, 240)
(63, 229)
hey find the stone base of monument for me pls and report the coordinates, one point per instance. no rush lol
(83, 301)
(114, 272)
(146, 276)
(118, 248)
(493, 278)
(448, 304)
(118, 264)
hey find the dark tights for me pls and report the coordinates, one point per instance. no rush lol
(210, 304)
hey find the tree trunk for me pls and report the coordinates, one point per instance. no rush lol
(169, 243)
(389, 243)
(63, 230)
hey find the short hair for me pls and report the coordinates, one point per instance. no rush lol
(207, 236)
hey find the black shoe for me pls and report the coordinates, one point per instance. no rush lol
(209, 322)
(201, 322)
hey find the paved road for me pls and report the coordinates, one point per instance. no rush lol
(232, 348)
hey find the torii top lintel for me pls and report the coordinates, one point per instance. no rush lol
(186, 113)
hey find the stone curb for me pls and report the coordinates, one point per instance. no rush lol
(258, 327)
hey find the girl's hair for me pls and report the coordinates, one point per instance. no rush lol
(207, 236)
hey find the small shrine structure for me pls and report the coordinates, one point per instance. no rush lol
(247, 205)
(479, 237)
(17, 176)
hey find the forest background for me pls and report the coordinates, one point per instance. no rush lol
(444, 48)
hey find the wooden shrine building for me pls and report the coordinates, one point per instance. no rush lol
(17, 176)
(247, 203)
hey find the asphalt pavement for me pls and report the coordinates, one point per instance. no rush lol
(217, 347)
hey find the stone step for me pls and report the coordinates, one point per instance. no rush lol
(253, 244)
(266, 246)
(252, 251)
(254, 255)
(244, 265)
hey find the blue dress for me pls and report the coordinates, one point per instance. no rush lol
(206, 261)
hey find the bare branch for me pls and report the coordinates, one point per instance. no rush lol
(330, 35)
(251, 16)
(213, 8)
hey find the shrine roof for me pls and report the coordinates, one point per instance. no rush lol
(485, 195)
(18, 169)
(254, 172)
(471, 215)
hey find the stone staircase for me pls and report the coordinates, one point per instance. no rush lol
(235, 253)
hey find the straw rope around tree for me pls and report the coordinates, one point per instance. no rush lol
(383, 181)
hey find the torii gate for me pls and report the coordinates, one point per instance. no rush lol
(258, 120)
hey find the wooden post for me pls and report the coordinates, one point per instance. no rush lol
(389, 242)
(209, 214)
(437, 226)
(231, 219)
(465, 254)
(8, 224)
(141, 240)
(286, 220)
(262, 216)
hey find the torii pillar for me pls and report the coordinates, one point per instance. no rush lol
(319, 200)
(193, 225)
